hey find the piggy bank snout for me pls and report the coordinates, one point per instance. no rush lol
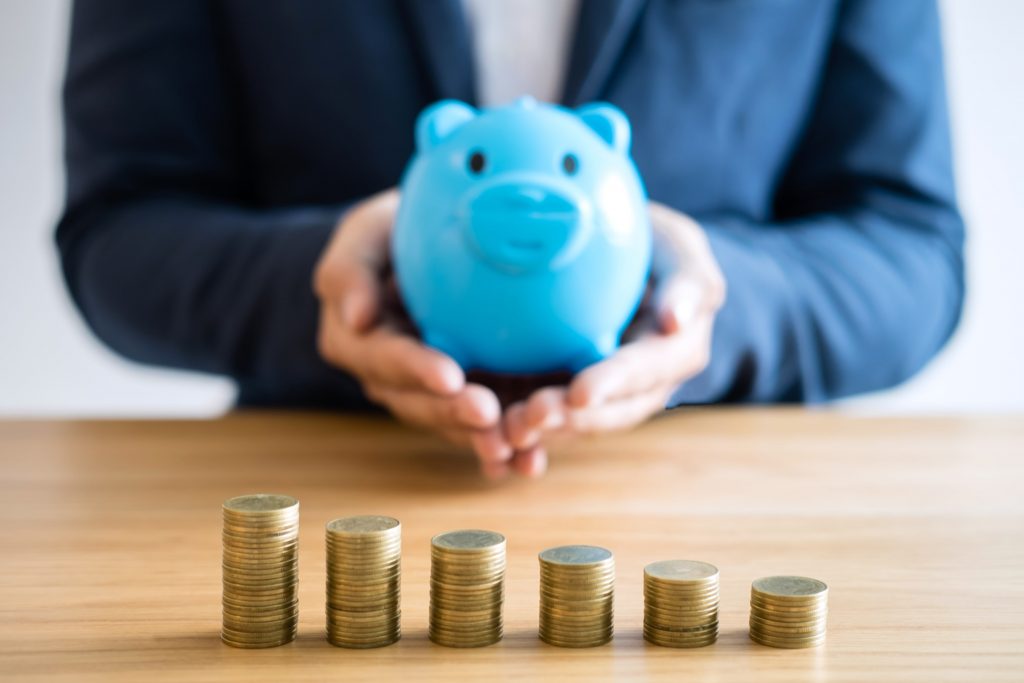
(520, 226)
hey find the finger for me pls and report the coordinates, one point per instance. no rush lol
(619, 414)
(380, 210)
(546, 409)
(401, 360)
(543, 412)
(532, 462)
(690, 279)
(641, 365)
(351, 272)
(496, 470)
(387, 357)
(361, 297)
(678, 301)
(494, 453)
(474, 408)
(479, 407)
(516, 432)
(490, 446)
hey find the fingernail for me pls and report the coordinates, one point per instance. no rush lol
(450, 379)
(686, 306)
(527, 440)
(533, 463)
(494, 449)
(579, 397)
(505, 453)
(554, 420)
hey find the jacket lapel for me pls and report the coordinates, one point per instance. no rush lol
(602, 30)
(441, 37)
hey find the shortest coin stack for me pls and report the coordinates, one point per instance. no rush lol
(467, 588)
(577, 593)
(681, 603)
(788, 611)
(261, 570)
(364, 556)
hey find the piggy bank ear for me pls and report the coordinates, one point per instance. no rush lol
(609, 123)
(439, 120)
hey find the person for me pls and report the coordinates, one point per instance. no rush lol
(230, 191)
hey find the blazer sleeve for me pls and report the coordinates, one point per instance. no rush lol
(858, 281)
(163, 254)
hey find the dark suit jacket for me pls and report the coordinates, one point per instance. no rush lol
(212, 145)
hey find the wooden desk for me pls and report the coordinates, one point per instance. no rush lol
(111, 543)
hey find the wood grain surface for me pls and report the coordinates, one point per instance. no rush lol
(110, 566)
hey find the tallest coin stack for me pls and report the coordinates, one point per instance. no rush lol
(261, 570)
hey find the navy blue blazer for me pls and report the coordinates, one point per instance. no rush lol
(212, 145)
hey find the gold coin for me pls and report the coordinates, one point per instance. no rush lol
(679, 622)
(282, 639)
(789, 589)
(576, 556)
(363, 525)
(256, 632)
(679, 593)
(260, 504)
(788, 614)
(468, 540)
(681, 605)
(686, 572)
(794, 629)
(576, 639)
(681, 643)
(457, 642)
(341, 641)
(787, 643)
(558, 641)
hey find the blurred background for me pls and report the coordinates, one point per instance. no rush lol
(50, 365)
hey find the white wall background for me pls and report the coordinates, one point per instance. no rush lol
(50, 365)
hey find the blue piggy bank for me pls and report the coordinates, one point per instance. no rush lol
(522, 242)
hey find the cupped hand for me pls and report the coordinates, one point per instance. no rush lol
(364, 331)
(668, 342)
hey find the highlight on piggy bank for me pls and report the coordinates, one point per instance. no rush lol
(522, 242)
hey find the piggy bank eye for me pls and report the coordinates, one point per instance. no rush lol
(477, 162)
(570, 164)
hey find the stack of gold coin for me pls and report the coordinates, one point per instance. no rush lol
(364, 565)
(788, 611)
(467, 588)
(577, 592)
(261, 570)
(681, 603)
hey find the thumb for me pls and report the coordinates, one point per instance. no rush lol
(677, 302)
(362, 256)
(360, 299)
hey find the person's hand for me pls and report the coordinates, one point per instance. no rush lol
(364, 330)
(532, 458)
(668, 342)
